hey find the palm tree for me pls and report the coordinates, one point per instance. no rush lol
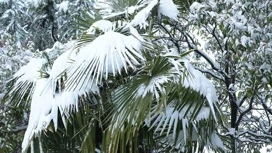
(125, 86)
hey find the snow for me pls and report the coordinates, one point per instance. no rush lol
(132, 9)
(196, 7)
(60, 65)
(169, 9)
(245, 40)
(155, 87)
(266, 149)
(184, 126)
(45, 102)
(231, 131)
(108, 53)
(30, 72)
(206, 56)
(216, 141)
(140, 18)
(198, 82)
(45, 106)
(103, 25)
(38, 107)
(171, 116)
(165, 7)
(63, 6)
(238, 24)
(135, 33)
(203, 114)
(62, 62)
(266, 67)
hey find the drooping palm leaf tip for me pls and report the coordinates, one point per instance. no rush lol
(119, 86)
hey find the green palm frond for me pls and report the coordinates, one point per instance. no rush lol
(84, 21)
(174, 109)
(129, 114)
(132, 102)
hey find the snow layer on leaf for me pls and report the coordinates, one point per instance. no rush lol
(62, 63)
(30, 72)
(216, 142)
(198, 82)
(45, 106)
(63, 6)
(40, 107)
(204, 113)
(196, 7)
(245, 40)
(170, 117)
(44, 109)
(135, 33)
(108, 53)
(140, 18)
(155, 86)
(103, 25)
(168, 8)
(132, 9)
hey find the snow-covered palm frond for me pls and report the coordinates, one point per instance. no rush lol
(169, 118)
(153, 93)
(185, 125)
(140, 18)
(215, 142)
(108, 53)
(193, 79)
(195, 103)
(126, 117)
(39, 109)
(198, 82)
(183, 5)
(160, 74)
(45, 92)
(30, 72)
(132, 101)
(24, 81)
(99, 28)
(59, 67)
(45, 107)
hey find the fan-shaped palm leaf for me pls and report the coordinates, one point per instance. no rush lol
(108, 53)
(23, 82)
(155, 93)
